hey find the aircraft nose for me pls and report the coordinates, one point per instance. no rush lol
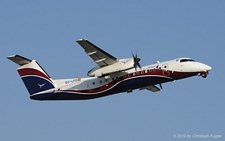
(208, 68)
(205, 67)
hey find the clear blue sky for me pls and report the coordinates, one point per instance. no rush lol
(158, 30)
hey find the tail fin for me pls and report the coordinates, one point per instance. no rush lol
(32, 74)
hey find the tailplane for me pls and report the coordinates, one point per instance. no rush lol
(32, 74)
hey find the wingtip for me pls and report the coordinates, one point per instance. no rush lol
(10, 56)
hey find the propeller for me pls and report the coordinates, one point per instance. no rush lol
(136, 61)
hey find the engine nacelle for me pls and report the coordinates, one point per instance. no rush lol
(121, 65)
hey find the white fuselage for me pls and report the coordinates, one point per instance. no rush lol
(168, 68)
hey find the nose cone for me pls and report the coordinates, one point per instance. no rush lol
(205, 68)
(208, 68)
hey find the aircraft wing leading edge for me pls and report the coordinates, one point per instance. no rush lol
(98, 55)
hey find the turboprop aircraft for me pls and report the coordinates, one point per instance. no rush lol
(110, 76)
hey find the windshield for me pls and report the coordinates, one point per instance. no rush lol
(187, 60)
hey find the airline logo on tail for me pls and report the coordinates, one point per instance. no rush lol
(41, 85)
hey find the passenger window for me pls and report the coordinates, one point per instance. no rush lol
(93, 83)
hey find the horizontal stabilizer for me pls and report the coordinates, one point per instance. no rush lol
(19, 60)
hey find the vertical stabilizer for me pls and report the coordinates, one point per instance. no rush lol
(32, 74)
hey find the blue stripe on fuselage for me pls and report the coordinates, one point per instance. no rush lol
(133, 83)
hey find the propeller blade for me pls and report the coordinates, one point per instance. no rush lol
(136, 61)
(135, 66)
(139, 65)
(133, 54)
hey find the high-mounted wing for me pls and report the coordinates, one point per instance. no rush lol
(99, 56)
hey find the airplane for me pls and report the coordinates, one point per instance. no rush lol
(110, 76)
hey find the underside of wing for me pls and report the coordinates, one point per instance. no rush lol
(98, 55)
(152, 88)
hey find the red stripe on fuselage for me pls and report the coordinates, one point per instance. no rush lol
(153, 73)
(29, 71)
(134, 75)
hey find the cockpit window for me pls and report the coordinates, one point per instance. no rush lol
(187, 60)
